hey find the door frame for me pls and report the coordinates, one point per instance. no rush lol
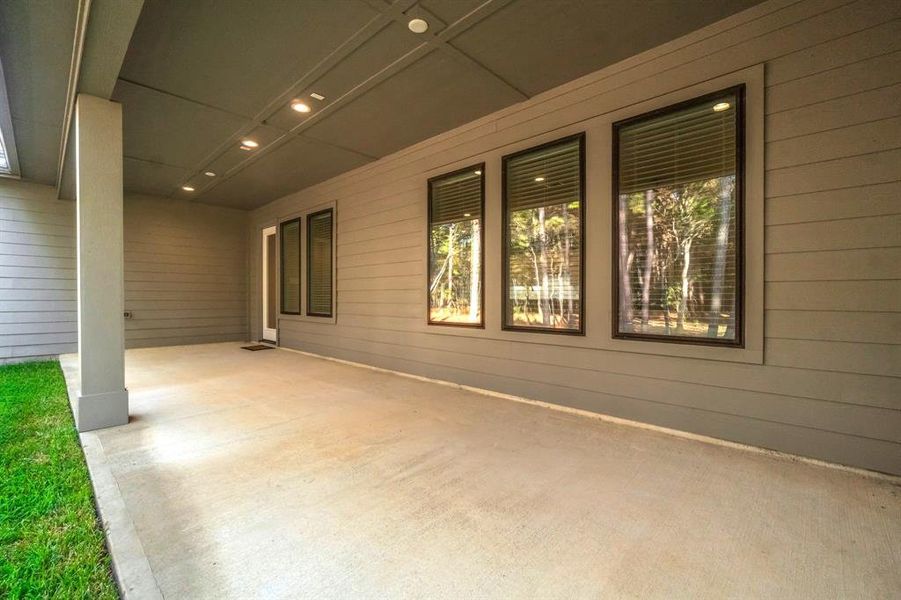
(268, 334)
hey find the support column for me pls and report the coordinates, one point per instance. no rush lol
(102, 397)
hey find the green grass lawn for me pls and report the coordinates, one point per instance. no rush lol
(51, 545)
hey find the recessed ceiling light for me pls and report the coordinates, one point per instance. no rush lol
(187, 188)
(721, 106)
(316, 96)
(418, 25)
(210, 174)
(300, 106)
(249, 143)
(478, 172)
(539, 179)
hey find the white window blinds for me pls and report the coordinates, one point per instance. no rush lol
(457, 197)
(678, 204)
(290, 266)
(319, 268)
(455, 247)
(543, 219)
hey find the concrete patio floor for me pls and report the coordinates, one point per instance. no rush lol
(276, 474)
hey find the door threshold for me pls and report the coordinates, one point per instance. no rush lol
(270, 342)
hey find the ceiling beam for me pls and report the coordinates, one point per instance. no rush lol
(65, 189)
(389, 13)
(480, 13)
(259, 119)
(358, 90)
(102, 33)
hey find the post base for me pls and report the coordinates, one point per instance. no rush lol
(96, 411)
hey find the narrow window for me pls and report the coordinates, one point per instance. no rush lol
(456, 238)
(289, 235)
(543, 231)
(4, 159)
(677, 226)
(319, 264)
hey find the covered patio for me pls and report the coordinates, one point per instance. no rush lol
(557, 298)
(282, 474)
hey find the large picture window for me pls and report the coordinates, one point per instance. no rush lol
(289, 255)
(543, 211)
(678, 178)
(456, 234)
(319, 263)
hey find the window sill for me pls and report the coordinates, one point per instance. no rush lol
(602, 342)
(720, 352)
(476, 326)
(308, 318)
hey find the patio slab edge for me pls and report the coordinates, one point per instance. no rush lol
(131, 568)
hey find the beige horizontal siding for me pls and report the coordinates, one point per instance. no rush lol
(853, 233)
(37, 272)
(830, 382)
(185, 273)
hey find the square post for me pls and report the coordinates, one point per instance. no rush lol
(102, 397)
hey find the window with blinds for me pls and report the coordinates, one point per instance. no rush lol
(543, 230)
(289, 236)
(456, 239)
(4, 158)
(319, 263)
(678, 194)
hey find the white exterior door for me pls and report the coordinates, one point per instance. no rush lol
(270, 285)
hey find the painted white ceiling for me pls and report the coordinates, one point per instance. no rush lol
(201, 75)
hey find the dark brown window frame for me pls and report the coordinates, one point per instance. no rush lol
(741, 123)
(505, 239)
(428, 246)
(281, 265)
(331, 263)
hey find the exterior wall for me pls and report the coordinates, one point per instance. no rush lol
(826, 379)
(37, 272)
(185, 272)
